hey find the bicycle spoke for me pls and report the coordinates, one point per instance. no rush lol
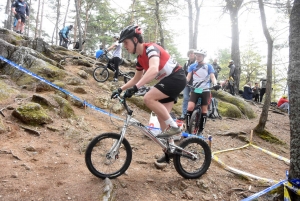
(103, 164)
(191, 165)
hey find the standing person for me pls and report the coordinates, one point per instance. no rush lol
(256, 91)
(231, 77)
(21, 12)
(187, 89)
(263, 87)
(202, 75)
(117, 55)
(216, 67)
(64, 36)
(157, 64)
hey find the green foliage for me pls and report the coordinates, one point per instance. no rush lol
(252, 68)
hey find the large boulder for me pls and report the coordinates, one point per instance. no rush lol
(65, 109)
(242, 105)
(32, 113)
(30, 60)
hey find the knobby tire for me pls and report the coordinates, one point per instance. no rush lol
(189, 168)
(101, 74)
(97, 162)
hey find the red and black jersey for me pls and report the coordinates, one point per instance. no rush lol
(166, 63)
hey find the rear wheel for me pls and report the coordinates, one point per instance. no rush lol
(101, 74)
(100, 160)
(192, 168)
(195, 121)
(128, 76)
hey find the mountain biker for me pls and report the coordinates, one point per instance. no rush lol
(21, 11)
(117, 55)
(159, 65)
(64, 36)
(202, 74)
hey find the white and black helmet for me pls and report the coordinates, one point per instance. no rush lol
(200, 51)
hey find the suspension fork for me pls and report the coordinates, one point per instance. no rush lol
(114, 150)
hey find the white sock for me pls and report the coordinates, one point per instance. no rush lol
(171, 122)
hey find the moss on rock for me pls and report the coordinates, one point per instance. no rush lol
(32, 113)
(269, 137)
(242, 105)
(229, 110)
(66, 111)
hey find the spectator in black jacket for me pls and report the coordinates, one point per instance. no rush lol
(21, 11)
(217, 68)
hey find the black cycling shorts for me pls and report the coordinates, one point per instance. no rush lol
(172, 85)
(21, 16)
(205, 97)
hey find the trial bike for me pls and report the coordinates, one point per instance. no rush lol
(194, 123)
(101, 73)
(109, 155)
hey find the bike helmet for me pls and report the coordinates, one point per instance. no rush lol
(130, 32)
(201, 51)
(231, 61)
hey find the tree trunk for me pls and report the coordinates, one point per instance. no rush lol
(28, 22)
(64, 24)
(190, 8)
(234, 6)
(294, 92)
(56, 28)
(8, 22)
(77, 6)
(37, 20)
(161, 32)
(264, 114)
(196, 26)
(132, 13)
(41, 22)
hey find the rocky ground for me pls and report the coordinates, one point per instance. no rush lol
(49, 164)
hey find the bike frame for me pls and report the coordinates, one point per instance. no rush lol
(160, 141)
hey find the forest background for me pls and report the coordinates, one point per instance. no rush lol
(170, 22)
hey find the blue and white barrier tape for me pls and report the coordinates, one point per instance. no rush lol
(57, 87)
(256, 195)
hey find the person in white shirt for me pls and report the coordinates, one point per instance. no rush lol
(117, 55)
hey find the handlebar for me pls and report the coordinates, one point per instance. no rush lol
(123, 102)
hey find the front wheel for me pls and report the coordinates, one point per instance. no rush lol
(104, 159)
(195, 121)
(128, 76)
(188, 167)
(101, 74)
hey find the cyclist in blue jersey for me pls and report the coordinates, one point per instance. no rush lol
(202, 74)
(64, 36)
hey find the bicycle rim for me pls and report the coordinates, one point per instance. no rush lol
(195, 122)
(100, 74)
(128, 76)
(96, 156)
(190, 168)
